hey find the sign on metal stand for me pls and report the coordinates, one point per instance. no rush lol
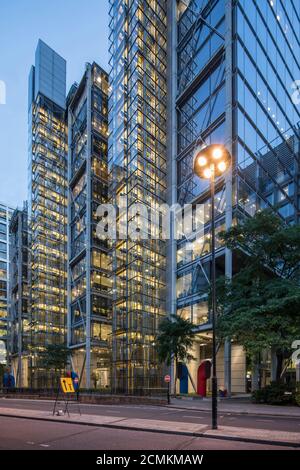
(66, 388)
(67, 385)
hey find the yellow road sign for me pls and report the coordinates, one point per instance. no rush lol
(67, 385)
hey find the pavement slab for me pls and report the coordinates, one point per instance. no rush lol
(235, 406)
(167, 427)
(255, 434)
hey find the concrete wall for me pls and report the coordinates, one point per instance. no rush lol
(238, 369)
(22, 381)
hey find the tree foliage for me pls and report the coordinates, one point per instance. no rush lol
(175, 339)
(55, 357)
(260, 306)
(269, 243)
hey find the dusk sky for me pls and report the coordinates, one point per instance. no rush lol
(78, 31)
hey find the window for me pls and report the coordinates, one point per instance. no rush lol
(3, 289)
(286, 211)
(3, 270)
(2, 213)
(100, 331)
(3, 249)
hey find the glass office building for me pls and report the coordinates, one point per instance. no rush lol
(137, 174)
(19, 334)
(236, 65)
(5, 216)
(89, 279)
(47, 205)
(184, 74)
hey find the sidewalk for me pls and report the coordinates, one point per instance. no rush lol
(235, 405)
(262, 436)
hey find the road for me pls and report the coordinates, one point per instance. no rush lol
(162, 413)
(26, 434)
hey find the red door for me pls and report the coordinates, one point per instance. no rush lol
(203, 375)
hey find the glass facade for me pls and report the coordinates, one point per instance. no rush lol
(266, 135)
(234, 87)
(5, 216)
(47, 205)
(200, 119)
(137, 173)
(89, 279)
(20, 332)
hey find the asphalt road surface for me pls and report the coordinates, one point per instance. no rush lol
(26, 434)
(162, 413)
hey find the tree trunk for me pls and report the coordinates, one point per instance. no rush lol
(255, 374)
(279, 365)
(175, 380)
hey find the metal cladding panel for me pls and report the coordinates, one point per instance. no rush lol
(50, 74)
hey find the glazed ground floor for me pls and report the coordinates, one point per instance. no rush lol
(236, 374)
(232, 372)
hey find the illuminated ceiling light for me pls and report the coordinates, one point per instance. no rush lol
(222, 166)
(217, 153)
(278, 18)
(202, 161)
(207, 173)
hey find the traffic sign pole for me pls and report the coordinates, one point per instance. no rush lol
(167, 379)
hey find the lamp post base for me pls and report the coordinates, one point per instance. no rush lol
(214, 383)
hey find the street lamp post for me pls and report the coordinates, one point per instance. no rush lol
(210, 162)
(214, 380)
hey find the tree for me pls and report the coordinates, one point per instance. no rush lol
(260, 306)
(55, 357)
(174, 341)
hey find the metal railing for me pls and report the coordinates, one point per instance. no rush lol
(52, 392)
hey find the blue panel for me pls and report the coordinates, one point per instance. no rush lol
(184, 381)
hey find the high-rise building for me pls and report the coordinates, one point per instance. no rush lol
(137, 174)
(184, 74)
(5, 216)
(236, 64)
(47, 204)
(20, 332)
(89, 279)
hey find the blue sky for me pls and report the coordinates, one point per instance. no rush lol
(77, 30)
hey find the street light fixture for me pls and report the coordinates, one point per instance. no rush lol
(210, 162)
